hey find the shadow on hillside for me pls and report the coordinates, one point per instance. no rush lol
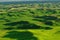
(22, 25)
(26, 35)
(46, 19)
(51, 11)
(46, 28)
(5, 19)
(45, 22)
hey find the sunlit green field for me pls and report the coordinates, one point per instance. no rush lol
(26, 22)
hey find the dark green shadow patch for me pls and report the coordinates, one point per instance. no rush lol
(26, 35)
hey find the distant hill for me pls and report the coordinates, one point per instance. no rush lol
(28, 2)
